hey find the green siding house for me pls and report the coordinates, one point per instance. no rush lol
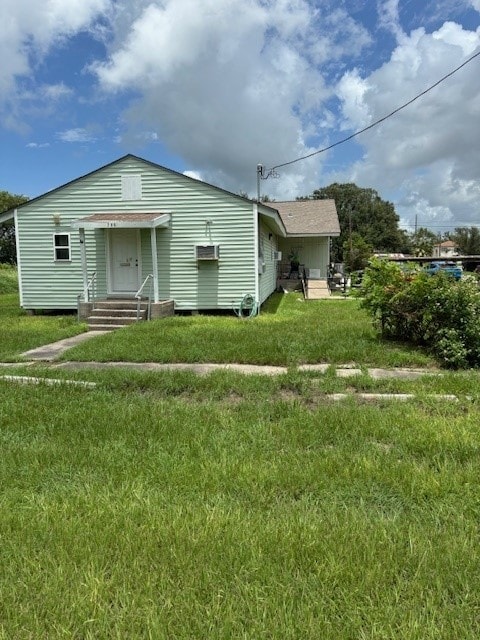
(198, 245)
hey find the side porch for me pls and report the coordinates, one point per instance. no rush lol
(304, 266)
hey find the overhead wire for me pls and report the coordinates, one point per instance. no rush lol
(380, 120)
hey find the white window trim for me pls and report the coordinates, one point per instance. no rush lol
(55, 247)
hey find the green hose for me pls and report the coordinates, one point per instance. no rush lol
(248, 307)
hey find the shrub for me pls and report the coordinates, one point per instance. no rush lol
(432, 311)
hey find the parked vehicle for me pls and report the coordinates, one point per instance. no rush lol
(451, 268)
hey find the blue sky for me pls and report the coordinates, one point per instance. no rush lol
(212, 88)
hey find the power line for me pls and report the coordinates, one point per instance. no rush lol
(377, 122)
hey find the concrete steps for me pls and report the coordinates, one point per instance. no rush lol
(317, 289)
(108, 315)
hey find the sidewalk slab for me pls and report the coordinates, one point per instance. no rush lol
(50, 352)
(401, 374)
(402, 397)
(318, 368)
(348, 373)
(198, 368)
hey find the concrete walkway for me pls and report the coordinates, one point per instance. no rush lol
(50, 352)
(341, 371)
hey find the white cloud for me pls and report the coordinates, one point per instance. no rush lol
(389, 17)
(76, 135)
(55, 92)
(37, 145)
(196, 175)
(225, 84)
(430, 148)
(227, 98)
(29, 30)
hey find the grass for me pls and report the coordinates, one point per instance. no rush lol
(169, 505)
(289, 331)
(19, 331)
(8, 279)
(174, 506)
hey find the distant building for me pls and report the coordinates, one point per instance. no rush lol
(446, 249)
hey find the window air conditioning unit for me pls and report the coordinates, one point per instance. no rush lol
(206, 251)
(277, 255)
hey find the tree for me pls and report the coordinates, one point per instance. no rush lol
(362, 211)
(8, 252)
(423, 241)
(467, 240)
(356, 252)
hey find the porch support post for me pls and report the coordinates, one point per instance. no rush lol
(153, 241)
(83, 255)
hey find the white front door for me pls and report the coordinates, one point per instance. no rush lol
(124, 260)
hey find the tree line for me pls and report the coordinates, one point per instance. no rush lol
(8, 252)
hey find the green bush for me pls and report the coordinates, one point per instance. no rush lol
(432, 311)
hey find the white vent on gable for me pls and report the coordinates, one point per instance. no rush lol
(207, 251)
(132, 187)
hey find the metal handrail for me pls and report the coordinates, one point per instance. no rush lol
(138, 296)
(304, 283)
(90, 287)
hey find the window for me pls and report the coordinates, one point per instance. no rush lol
(61, 246)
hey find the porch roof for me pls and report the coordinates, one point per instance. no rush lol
(130, 220)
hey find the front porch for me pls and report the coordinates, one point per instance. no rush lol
(119, 248)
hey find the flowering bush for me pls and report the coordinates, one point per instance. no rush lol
(433, 311)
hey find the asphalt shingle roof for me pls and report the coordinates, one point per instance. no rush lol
(308, 217)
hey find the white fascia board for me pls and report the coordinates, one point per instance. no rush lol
(313, 235)
(161, 221)
(274, 217)
(7, 215)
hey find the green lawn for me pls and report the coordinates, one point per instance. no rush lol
(172, 506)
(289, 331)
(20, 332)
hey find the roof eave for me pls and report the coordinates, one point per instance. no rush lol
(161, 221)
(274, 216)
(326, 234)
(7, 215)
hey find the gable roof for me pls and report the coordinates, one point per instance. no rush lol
(308, 217)
(118, 161)
(298, 217)
(447, 244)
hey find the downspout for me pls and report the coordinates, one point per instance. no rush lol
(256, 248)
(19, 264)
